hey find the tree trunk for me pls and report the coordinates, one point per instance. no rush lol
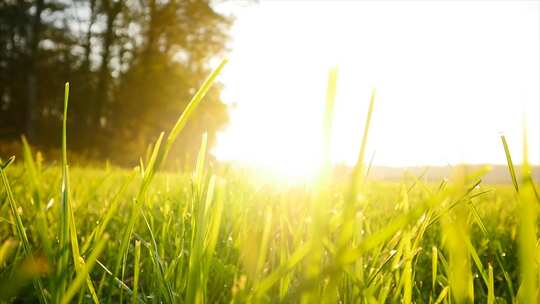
(34, 34)
(151, 35)
(102, 96)
(88, 42)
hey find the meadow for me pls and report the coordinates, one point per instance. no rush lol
(217, 235)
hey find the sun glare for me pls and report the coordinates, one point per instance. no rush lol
(447, 84)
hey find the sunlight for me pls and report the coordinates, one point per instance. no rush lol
(426, 76)
(247, 151)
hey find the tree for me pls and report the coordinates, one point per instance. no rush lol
(133, 66)
(168, 66)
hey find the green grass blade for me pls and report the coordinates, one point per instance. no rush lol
(356, 181)
(527, 232)
(510, 163)
(137, 270)
(199, 168)
(166, 289)
(64, 234)
(359, 167)
(442, 295)
(84, 272)
(7, 163)
(434, 263)
(192, 105)
(295, 258)
(21, 230)
(78, 261)
(478, 263)
(491, 286)
(162, 155)
(35, 182)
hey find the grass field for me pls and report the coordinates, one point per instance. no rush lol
(217, 235)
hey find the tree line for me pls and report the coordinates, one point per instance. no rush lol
(132, 64)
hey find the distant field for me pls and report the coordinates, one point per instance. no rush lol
(497, 174)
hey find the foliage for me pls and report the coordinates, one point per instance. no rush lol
(133, 66)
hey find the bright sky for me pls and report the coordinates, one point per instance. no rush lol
(450, 77)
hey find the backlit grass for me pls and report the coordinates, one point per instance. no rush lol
(219, 236)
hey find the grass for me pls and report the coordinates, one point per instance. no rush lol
(81, 235)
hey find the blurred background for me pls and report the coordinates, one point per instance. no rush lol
(132, 65)
(451, 77)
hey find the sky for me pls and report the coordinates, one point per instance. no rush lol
(450, 78)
